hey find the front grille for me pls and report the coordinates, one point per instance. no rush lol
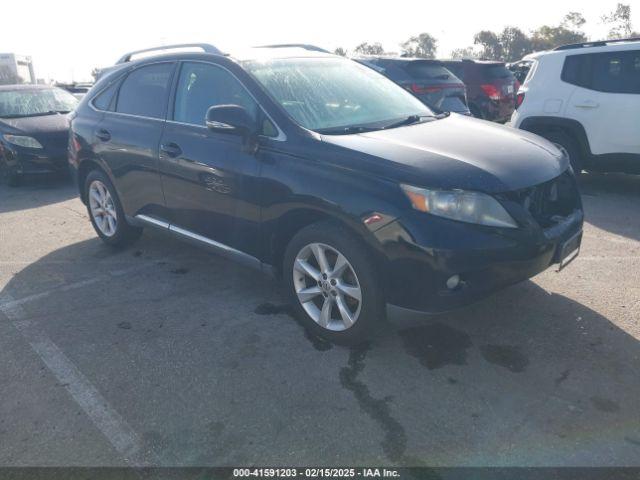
(548, 201)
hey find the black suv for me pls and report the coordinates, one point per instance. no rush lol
(491, 88)
(429, 80)
(326, 173)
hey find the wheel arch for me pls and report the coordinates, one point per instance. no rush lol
(544, 124)
(85, 167)
(280, 231)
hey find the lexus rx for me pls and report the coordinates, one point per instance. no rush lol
(326, 173)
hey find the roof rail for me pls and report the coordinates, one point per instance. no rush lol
(204, 46)
(597, 43)
(306, 46)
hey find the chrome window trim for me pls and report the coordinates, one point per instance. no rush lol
(281, 137)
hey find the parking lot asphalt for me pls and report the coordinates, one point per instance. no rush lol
(164, 354)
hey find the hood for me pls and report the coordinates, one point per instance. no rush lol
(50, 130)
(457, 152)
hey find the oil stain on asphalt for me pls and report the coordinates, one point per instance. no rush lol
(318, 343)
(507, 356)
(436, 345)
(394, 442)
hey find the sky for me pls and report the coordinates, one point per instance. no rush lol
(68, 39)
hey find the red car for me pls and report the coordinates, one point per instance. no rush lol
(491, 88)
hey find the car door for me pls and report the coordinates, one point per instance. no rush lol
(210, 180)
(606, 100)
(128, 136)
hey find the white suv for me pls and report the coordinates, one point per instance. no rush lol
(585, 98)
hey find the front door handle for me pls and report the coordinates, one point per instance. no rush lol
(172, 150)
(587, 104)
(103, 135)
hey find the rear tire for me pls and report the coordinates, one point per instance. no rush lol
(342, 302)
(106, 213)
(570, 147)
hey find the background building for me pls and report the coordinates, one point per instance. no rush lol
(16, 69)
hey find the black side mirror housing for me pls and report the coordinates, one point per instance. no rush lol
(232, 119)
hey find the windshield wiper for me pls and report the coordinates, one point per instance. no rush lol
(348, 130)
(351, 129)
(410, 120)
(37, 114)
(48, 112)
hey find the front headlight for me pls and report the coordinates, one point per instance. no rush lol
(470, 207)
(22, 141)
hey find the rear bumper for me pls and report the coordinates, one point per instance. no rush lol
(423, 253)
(497, 110)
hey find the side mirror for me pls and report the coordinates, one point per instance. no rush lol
(232, 119)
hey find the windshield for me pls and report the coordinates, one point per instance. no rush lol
(329, 94)
(27, 102)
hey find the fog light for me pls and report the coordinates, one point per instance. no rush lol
(453, 282)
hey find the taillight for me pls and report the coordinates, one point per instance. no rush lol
(519, 99)
(491, 91)
(74, 147)
(420, 89)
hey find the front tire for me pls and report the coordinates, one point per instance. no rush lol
(333, 285)
(106, 213)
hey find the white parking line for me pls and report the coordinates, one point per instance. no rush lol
(121, 436)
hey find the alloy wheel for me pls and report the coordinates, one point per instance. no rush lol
(102, 208)
(327, 286)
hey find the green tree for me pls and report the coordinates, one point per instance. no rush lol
(491, 48)
(423, 46)
(369, 49)
(515, 44)
(548, 38)
(460, 53)
(619, 22)
(340, 51)
(573, 20)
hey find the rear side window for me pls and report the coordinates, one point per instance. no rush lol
(576, 70)
(610, 72)
(616, 72)
(144, 92)
(104, 99)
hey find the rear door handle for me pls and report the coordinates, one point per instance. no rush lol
(172, 150)
(587, 104)
(103, 135)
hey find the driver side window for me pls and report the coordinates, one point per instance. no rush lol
(203, 85)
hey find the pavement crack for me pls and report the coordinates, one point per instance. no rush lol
(394, 442)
